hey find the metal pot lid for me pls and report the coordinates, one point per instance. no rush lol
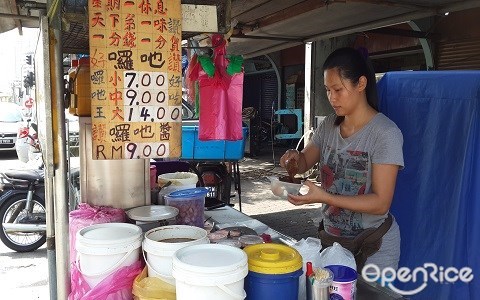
(150, 213)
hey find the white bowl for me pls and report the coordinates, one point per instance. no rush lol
(282, 189)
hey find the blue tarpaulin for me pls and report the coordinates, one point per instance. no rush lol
(437, 197)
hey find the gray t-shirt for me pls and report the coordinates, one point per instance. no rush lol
(346, 168)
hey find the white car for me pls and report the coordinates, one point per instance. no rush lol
(11, 121)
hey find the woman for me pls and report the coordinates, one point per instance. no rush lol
(359, 151)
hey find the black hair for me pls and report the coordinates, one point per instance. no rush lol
(351, 65)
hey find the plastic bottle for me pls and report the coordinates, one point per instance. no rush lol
(82, 87)
(72, 108)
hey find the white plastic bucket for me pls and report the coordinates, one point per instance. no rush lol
(159, 254)
(206, 272)
(104, 248)
(179, 181)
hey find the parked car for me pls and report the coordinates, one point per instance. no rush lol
(73, 128)
(11, 121)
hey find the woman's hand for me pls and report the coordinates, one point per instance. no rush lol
(315, 194)
(289, 154)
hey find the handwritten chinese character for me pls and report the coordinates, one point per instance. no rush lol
(115, 78)
(160, 9)
(123, 58)
(174, 26)
(97, 77)
(154, 59)
(97, 3)
(175, 98)
(99, 95)
(115, 18)
(145, 132)
(114, 39)
(174, 81)
(99, 113)
(115, 96)
(98, 19)
(98, 132)
(160, 25)
(117, 113)
(175, 43)
(98, 36)
(129, 22)
(160, 42)
(165, 131)
(97, 60)
(113, 5)
(145, 6)
(120, 133)
(174, 62)
(129, 39)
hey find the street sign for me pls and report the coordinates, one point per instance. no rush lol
(29, 103)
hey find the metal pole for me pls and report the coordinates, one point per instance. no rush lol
(60, 153)
(308, 91)
(51, 256)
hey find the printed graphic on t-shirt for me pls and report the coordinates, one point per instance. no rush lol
(344, 173)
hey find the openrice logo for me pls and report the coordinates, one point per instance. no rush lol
(386, 276)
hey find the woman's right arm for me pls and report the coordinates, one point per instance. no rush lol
(308, 157)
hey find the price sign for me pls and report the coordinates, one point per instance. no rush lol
(135, 72)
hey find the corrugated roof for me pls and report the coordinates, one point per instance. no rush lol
(261, 26)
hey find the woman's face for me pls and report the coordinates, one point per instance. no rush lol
(343, 95)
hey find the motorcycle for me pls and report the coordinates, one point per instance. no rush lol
(22, 209)
(22, 205)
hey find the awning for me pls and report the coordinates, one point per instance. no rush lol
(260, 26)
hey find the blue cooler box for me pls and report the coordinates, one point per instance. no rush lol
(193, 148)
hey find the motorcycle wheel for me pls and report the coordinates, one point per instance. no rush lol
(22, 241)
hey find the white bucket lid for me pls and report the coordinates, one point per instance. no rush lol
(151, 213)
(108, 238)
(210, 264)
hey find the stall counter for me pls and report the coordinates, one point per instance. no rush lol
(227, 217)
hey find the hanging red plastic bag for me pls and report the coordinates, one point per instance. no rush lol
(220, 98)
(87, 215)
(116, 286)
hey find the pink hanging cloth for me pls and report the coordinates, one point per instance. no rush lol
(220, 99)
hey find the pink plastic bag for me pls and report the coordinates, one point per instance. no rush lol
(220, 100)
(87, 215)
(117, 286)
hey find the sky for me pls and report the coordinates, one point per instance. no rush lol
(12, 56)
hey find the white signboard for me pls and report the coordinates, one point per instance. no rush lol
(199, 18)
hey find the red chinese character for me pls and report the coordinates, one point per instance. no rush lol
(175, 43)
(114, 39)
(115, 19)
(145, 6)
(98, 59)
(160, 42)
(98, 20)
(129, 39)
(160, 10)
(113, 5)
(97, 3)
(174, 62)
(114, 79)
(98, 132)
(116, 96)
(129, 22)
(117, 113)
(160, 25)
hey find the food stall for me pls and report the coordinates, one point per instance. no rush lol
(49, 63)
